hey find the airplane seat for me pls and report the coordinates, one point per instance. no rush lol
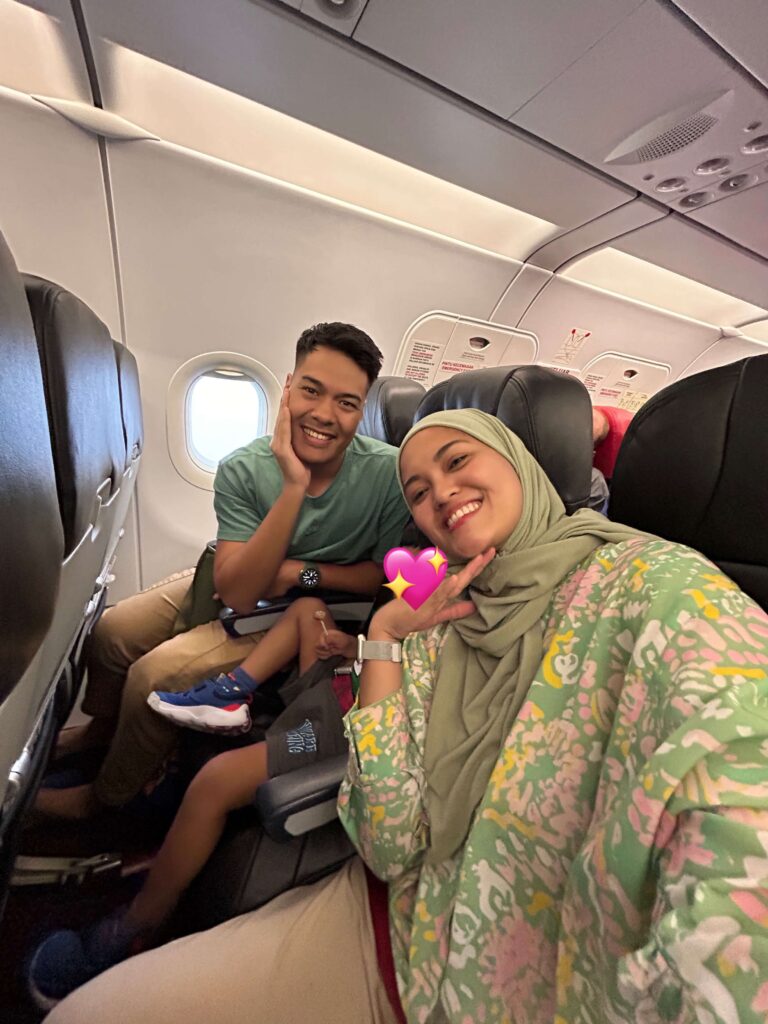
(550, 412)
(31, 553)
(390, 407)
(691, 468)
(89, 451)
(133, 436)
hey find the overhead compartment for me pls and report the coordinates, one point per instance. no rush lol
(247, 48)
(499, 53)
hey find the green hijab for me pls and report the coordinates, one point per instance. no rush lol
(489, 659)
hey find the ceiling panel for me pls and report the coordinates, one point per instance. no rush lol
(744, 218)
(653, 101)
(498, 53)
(739, 26)
(265, 53)
(685, 248)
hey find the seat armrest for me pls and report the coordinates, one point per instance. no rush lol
(344, 607)
(302, 800)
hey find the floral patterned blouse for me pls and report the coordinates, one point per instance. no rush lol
(616, 870)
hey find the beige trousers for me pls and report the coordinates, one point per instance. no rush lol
(308, 957)
(132, 655)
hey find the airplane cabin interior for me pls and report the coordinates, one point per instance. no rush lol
(533, 207)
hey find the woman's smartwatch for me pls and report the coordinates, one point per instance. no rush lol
(378, 650)
(309, 576)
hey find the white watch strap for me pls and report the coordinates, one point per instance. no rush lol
(378, 650)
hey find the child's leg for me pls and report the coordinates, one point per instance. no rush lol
(225, 783)
(221, 703)
(65, 959)
(297, 633)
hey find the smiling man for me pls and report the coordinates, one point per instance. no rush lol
(315, 506)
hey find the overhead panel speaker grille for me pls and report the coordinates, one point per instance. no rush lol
(671, 132)
(675, 138)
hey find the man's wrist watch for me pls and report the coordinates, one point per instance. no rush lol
(378, 650)
(309, 576)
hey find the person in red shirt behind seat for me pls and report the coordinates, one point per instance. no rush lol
(609, 425)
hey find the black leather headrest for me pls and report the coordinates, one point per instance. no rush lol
(692, 468)
(83, 393)
(550, 412)
(31, 536)
(130, 403)
(389, 409)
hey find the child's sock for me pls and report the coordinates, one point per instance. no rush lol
(245, 681)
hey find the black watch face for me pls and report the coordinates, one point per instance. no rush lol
(310, 577)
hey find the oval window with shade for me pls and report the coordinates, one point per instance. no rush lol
(225, 409)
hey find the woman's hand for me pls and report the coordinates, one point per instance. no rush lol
(295, 473)
(397, 619)
(335, 642)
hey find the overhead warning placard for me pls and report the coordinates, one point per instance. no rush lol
(572, 345)
(633, 400)
(423, 361)
(439, 346)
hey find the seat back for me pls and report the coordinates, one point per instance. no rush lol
(83, 395)
(692, 468)
(550, 412)
(31, 553)
(82, 389)
(390, 407)
(133, 437)
(31, 534)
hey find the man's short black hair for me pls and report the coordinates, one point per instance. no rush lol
(345, 338)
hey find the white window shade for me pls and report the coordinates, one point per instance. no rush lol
(225, 410)
(217, 402)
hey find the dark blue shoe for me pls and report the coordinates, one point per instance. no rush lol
(67, 959)
(216, 705)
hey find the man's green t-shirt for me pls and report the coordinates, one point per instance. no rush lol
(360, 517)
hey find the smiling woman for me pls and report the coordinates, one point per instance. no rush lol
(466, 497)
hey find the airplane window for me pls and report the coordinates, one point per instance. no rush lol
(225, 409)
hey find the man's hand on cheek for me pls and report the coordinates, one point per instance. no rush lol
(295, 473)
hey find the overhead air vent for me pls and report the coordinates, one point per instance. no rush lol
(671, 132)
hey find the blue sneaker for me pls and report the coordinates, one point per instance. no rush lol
(65, 960)
(216, 705)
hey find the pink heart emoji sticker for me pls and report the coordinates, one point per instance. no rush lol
(414, 577)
